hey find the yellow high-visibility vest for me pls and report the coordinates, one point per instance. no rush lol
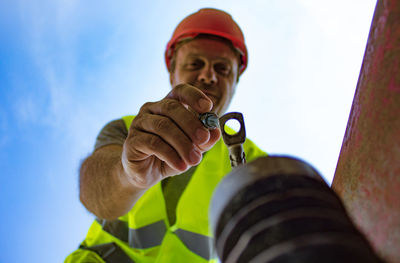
(144, 233)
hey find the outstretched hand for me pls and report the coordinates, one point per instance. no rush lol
(166, 137)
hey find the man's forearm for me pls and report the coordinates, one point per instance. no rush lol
(104, 188)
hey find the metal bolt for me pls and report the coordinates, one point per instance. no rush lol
(210, 120)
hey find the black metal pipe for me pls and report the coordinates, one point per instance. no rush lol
(279, 209)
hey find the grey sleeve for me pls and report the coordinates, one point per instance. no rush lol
(114, 132)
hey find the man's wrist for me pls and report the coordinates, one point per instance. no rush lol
(128, 179)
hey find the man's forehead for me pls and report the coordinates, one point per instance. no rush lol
(209, 40)
(208, 46)
(219, 57)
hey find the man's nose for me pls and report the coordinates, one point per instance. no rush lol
(208, 76)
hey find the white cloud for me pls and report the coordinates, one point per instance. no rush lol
(55, 31)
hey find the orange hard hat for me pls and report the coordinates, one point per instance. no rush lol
(211, 22)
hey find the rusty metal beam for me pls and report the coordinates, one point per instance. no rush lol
(367, 176)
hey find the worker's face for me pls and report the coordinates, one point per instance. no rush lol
(210, 65)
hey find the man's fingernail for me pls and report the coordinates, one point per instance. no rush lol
(205, 104)
(194, 156)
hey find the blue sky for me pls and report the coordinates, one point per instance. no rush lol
(67, 67)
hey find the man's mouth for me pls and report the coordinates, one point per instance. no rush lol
(213, 98)
(205, 90)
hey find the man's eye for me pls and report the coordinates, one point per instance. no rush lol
(195, 64)
(222, 68)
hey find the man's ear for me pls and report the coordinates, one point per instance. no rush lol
(171, 78)
(238, 77)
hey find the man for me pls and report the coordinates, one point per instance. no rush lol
(150, 178)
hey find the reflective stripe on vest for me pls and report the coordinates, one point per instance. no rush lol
(153, 234)
(198, 244)
(141, 238)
